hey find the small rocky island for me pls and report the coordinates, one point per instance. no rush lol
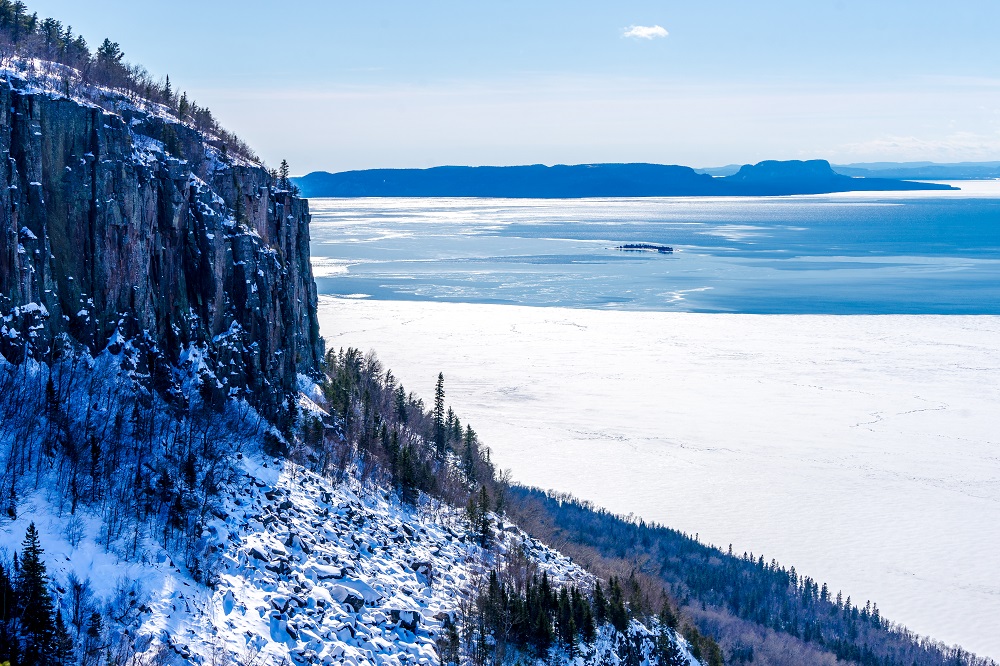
(645, 247)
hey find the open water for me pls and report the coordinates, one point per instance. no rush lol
(871, 253)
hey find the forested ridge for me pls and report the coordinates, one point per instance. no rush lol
(395, 439)
(728, 594)
(49, 50)
(93, 438)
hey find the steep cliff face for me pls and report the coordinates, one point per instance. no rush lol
(130, 227)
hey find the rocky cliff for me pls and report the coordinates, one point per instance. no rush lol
(126, 226)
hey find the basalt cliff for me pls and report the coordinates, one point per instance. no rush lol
(126, 226)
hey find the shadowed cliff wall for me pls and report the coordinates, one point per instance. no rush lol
(134, 231)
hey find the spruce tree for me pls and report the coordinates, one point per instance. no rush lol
(8, 608)
(668, 617)
(36, 607)
(567, 628)
(401, 414)
(587, 629)
(667, 649)
(283, 173)
(440, 433)
(94, 641)
(617, 613)
(484, 527)
(600, 604)
(469, 454)
(63, 641)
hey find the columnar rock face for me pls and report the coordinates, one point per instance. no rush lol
(132, 230)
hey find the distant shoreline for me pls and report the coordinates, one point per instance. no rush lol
(582, 181)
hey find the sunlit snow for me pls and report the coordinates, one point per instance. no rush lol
(863, 450)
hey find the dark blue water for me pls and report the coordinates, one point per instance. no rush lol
(919, 253)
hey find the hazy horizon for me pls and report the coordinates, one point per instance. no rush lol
(696, 167)
(337, 86)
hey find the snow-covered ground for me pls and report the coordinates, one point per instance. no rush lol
(307, 570)
(863, 450)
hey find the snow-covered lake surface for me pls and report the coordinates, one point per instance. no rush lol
(863, 450)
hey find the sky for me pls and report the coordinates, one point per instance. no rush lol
(334, 85)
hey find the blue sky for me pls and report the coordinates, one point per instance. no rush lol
(342, 85)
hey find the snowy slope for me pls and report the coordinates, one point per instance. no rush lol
(305, 570)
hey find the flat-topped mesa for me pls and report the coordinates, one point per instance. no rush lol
(130, 227)
(596, 180)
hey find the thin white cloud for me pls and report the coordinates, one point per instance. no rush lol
(953, 147)
(644, 32)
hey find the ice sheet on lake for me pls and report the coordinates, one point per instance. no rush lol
(863, 450)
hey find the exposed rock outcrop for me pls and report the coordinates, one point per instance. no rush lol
(129, 226)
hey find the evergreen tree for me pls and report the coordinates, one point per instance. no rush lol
(407, 474)
(469, 453)
(283, 173)
(542, 632)
(587, 629)
(484, 528)
(667, 649)
(63, 641)
(110, 53)
(600, 604)
(400, 400)
(35, 601)
(8, 618)
(567, 628)
(190, 470)
(617, 613)
(477, 514)
(449, 423)
(439, 427)
(94, 640)
(668, 617)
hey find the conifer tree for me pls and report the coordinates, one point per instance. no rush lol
(94, 641)
(667, 649)
(8, 606)
(567, 629)
(668, 617)
(401, 415)
(109, 53)
(617, 613)
(439, 427)
(283, 173)
(600, 604)
(63, 641)
(484, 529)
(473, 513)
(587, 629)
(35, 601)
(469, 453)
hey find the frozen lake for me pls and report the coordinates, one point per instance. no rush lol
(862, 450)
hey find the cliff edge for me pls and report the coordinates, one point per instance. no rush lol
(124, 225)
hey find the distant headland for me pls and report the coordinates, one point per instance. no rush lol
(770, 178)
